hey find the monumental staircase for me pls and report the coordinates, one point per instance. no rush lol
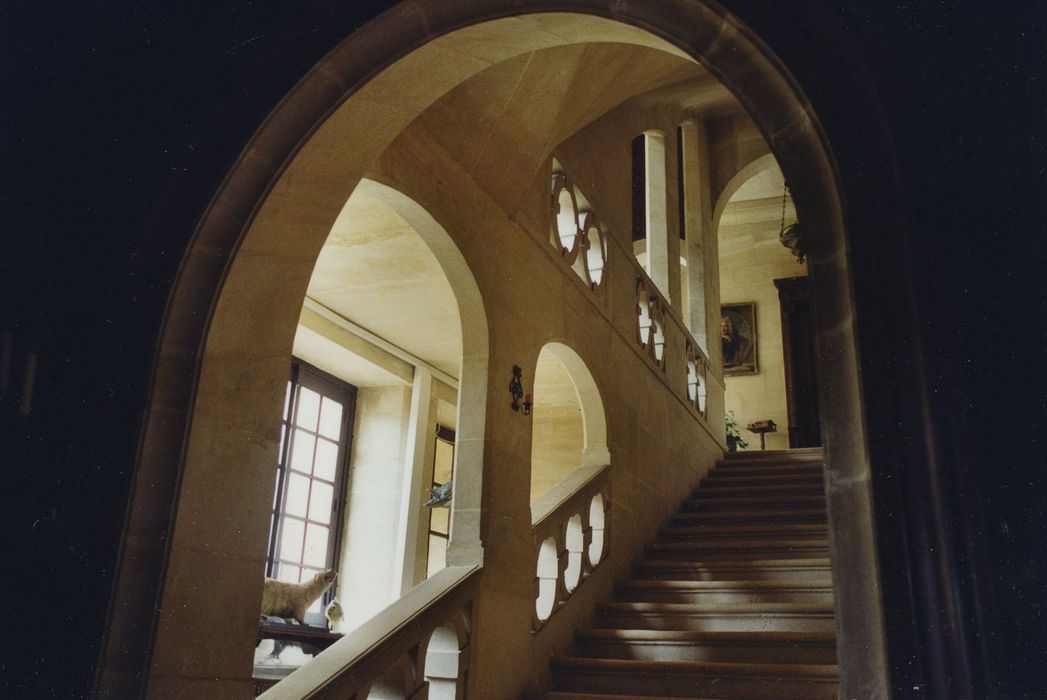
(734, 600)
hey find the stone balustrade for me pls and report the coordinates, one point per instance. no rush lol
(418, 647)
(570, 534)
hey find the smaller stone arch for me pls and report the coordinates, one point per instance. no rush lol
(445, 659)
(570, 424)
(399, 682)
(744, 174)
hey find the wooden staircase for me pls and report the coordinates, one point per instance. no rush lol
(734, 601)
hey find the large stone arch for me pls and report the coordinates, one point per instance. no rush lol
(232, 335)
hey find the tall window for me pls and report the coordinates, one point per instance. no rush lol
(308, 503)
(440, 517)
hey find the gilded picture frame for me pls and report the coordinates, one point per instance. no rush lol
(738, 339)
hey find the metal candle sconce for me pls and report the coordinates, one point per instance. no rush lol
(517, 392)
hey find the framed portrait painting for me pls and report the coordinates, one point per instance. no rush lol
(738, 338)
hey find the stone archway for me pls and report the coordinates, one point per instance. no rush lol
(574, 434)
(190, 510)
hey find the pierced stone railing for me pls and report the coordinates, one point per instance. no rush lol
(570, 533)
(650, 320)
(578, 237)
(418, 647)
(697, 378)
(575, 231)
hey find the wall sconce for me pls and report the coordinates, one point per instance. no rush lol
(517, 392)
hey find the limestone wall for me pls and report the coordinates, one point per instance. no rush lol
(751, 258)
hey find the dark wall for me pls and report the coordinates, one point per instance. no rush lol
(943, 161)
(119, 121)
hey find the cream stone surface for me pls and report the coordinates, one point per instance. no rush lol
(368, 569)
(375, 270)
(751, 258)
(459, 134)
(557, 434)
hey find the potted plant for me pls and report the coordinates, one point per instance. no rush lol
(734, 437)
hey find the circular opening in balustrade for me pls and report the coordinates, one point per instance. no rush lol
(596, 256)
(566, 218)
(575, 544)
(548, 573)
(596, 522)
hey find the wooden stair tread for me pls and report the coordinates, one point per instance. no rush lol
(702, 530)
(627, 635)
(685, 585)
(729, 476)
(568, 695)
(732, 610)
(718, 490)
(779, 562)
(795, 454)
(757, 469)
(742, 543)
(717, 668)
(756, 500)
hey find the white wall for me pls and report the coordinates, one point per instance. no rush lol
(368, 566)
(751, 258)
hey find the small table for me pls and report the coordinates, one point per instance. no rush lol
(761, 428)
(311, 639)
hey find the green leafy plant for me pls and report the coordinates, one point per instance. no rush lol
(734, 435)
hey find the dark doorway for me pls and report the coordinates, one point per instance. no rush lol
(801, 379)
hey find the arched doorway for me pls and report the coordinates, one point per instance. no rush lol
(338, 120)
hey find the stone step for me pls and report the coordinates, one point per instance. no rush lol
(771, 504)
(749, 617)
(710, 530)
(795, 456)
(756, 469)
(718, 478)
(639, 678)
(555, 695)
(726, 592)
(781, 569)
(730, 551)
(750, 517)
(761, 491)
(675, 645)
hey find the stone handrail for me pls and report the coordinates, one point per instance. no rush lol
(570, 532)
(417, 645)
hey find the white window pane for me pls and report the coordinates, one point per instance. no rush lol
(326, 459)
(444, 461)
(302, 452)
(308, 408)
(315, 545)
(437, 555)
(320, 502)
(288, 573)
(291, 539)
(439, 519)
(297, 495)
(331, 419)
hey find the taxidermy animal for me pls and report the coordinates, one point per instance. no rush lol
(440, 495)
(291, 600)
(333, 613)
